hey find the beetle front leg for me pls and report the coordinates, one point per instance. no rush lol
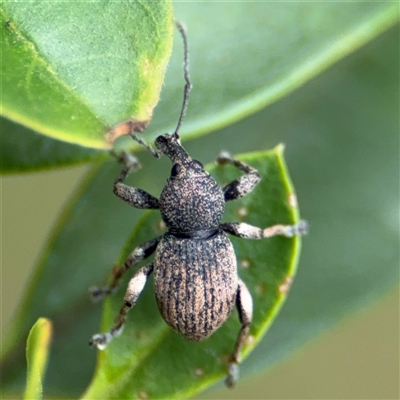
(138, 254)
(135, 197)
(244, 304)
(246, 231)
(243, 185)
(135, 287)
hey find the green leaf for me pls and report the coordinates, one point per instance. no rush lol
(37, 352)
(24, 150)
(59, 286)
(71, 70)
(248, 56)
(151, 358)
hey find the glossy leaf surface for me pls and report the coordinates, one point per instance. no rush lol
(71, 70)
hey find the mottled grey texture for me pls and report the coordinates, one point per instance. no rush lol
(136, 197)
(195, 282)
(242, 185)
(192, 204)
(242, 230)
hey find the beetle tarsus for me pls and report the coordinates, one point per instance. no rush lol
(100, 340)
(233, 374)
(289, 231)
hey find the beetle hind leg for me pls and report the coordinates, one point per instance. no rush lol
(244, 304)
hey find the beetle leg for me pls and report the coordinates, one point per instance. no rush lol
(244, 304)
(130, 163)
(246, 231)
(134, 196)
(244, 184)
(135, 287)
(138, 254)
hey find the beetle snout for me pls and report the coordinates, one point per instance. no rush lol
(162, 140)
(170, 146)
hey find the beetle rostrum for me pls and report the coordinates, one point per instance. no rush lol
(195, 271)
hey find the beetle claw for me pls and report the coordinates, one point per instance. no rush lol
(100, 340)
(96, 293)
(223, 157)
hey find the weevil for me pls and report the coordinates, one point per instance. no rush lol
(196, 281)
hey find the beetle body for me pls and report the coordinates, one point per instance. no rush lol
(195, 282)
(195, 273)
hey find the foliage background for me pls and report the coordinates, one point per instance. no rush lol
(341, 131)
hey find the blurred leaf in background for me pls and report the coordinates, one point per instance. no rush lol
(341, 131)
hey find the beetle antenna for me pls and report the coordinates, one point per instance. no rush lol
(188, 85)
(155, 153)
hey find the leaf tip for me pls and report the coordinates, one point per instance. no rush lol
(280, 148)
(37, 351)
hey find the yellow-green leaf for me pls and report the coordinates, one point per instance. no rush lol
(71, 70)
(37, 353)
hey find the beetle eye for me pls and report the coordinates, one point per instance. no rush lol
(198, 163)
(176, 169)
